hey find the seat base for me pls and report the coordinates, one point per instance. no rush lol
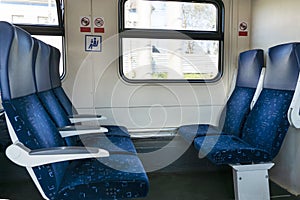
(251, 181)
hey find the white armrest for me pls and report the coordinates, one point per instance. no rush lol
(80, 130)
(259, 87)
(23, 156)
(294, 110)
(85, 118)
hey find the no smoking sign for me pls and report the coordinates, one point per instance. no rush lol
(243, 29)
(99, 25)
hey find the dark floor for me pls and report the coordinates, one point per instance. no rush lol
(163, 186)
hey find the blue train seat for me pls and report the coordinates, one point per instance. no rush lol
(238, 105)
(116, 138)
(62, 96)
(267, 123)
(58, 170)
(56, 83)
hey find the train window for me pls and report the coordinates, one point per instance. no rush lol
(29, 12)
(41, 18)
(171, 40)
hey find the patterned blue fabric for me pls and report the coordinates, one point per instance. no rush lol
(115, 140)
(35, 130)
(190, 132)
(61, 120)
(235, 113)
(64, 101)
(112, 130)
(122, 175)
(262, 135)
(49, 102)
(110, 143)
(115, 177)
(267, 123)
(237, 109)
(58, 116)
(228, 149)
(118, 176)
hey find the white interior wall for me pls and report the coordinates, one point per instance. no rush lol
(275, 22)
(94, 84)
(244, 16)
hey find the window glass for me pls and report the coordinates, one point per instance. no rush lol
(170, 59)
(36, 15)
(171, 40)
(42, 12)
(170, 15)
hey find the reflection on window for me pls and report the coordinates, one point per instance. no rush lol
(42, 20)
(41, 12)
(170, 15)
(17, 18)
(170, 59)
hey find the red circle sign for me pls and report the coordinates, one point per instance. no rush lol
(85, 21)
(99, 22)
(243, 26)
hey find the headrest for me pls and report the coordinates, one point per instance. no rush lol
(54, 67)
(282, 66)
(42, 65)
(16, 55)
(249, 69)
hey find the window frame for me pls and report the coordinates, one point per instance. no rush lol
(217, 35)
(53, 30)
(50, 30)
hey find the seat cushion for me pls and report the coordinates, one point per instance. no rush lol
(267, 124)
(228, 149)
(116, 139)
(110, 143)
(232, 118)
(114, 177)
(189, 132)
(64, 100)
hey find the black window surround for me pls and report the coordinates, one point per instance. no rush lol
(217, 35)
(54, 30)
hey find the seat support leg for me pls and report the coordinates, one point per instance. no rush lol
(251, 181)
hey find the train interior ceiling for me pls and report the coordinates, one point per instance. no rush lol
(156, 66)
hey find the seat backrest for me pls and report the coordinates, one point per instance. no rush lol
(30, 122)
(44, 88)
(56, 83)
(267, 123)
(238, 105)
